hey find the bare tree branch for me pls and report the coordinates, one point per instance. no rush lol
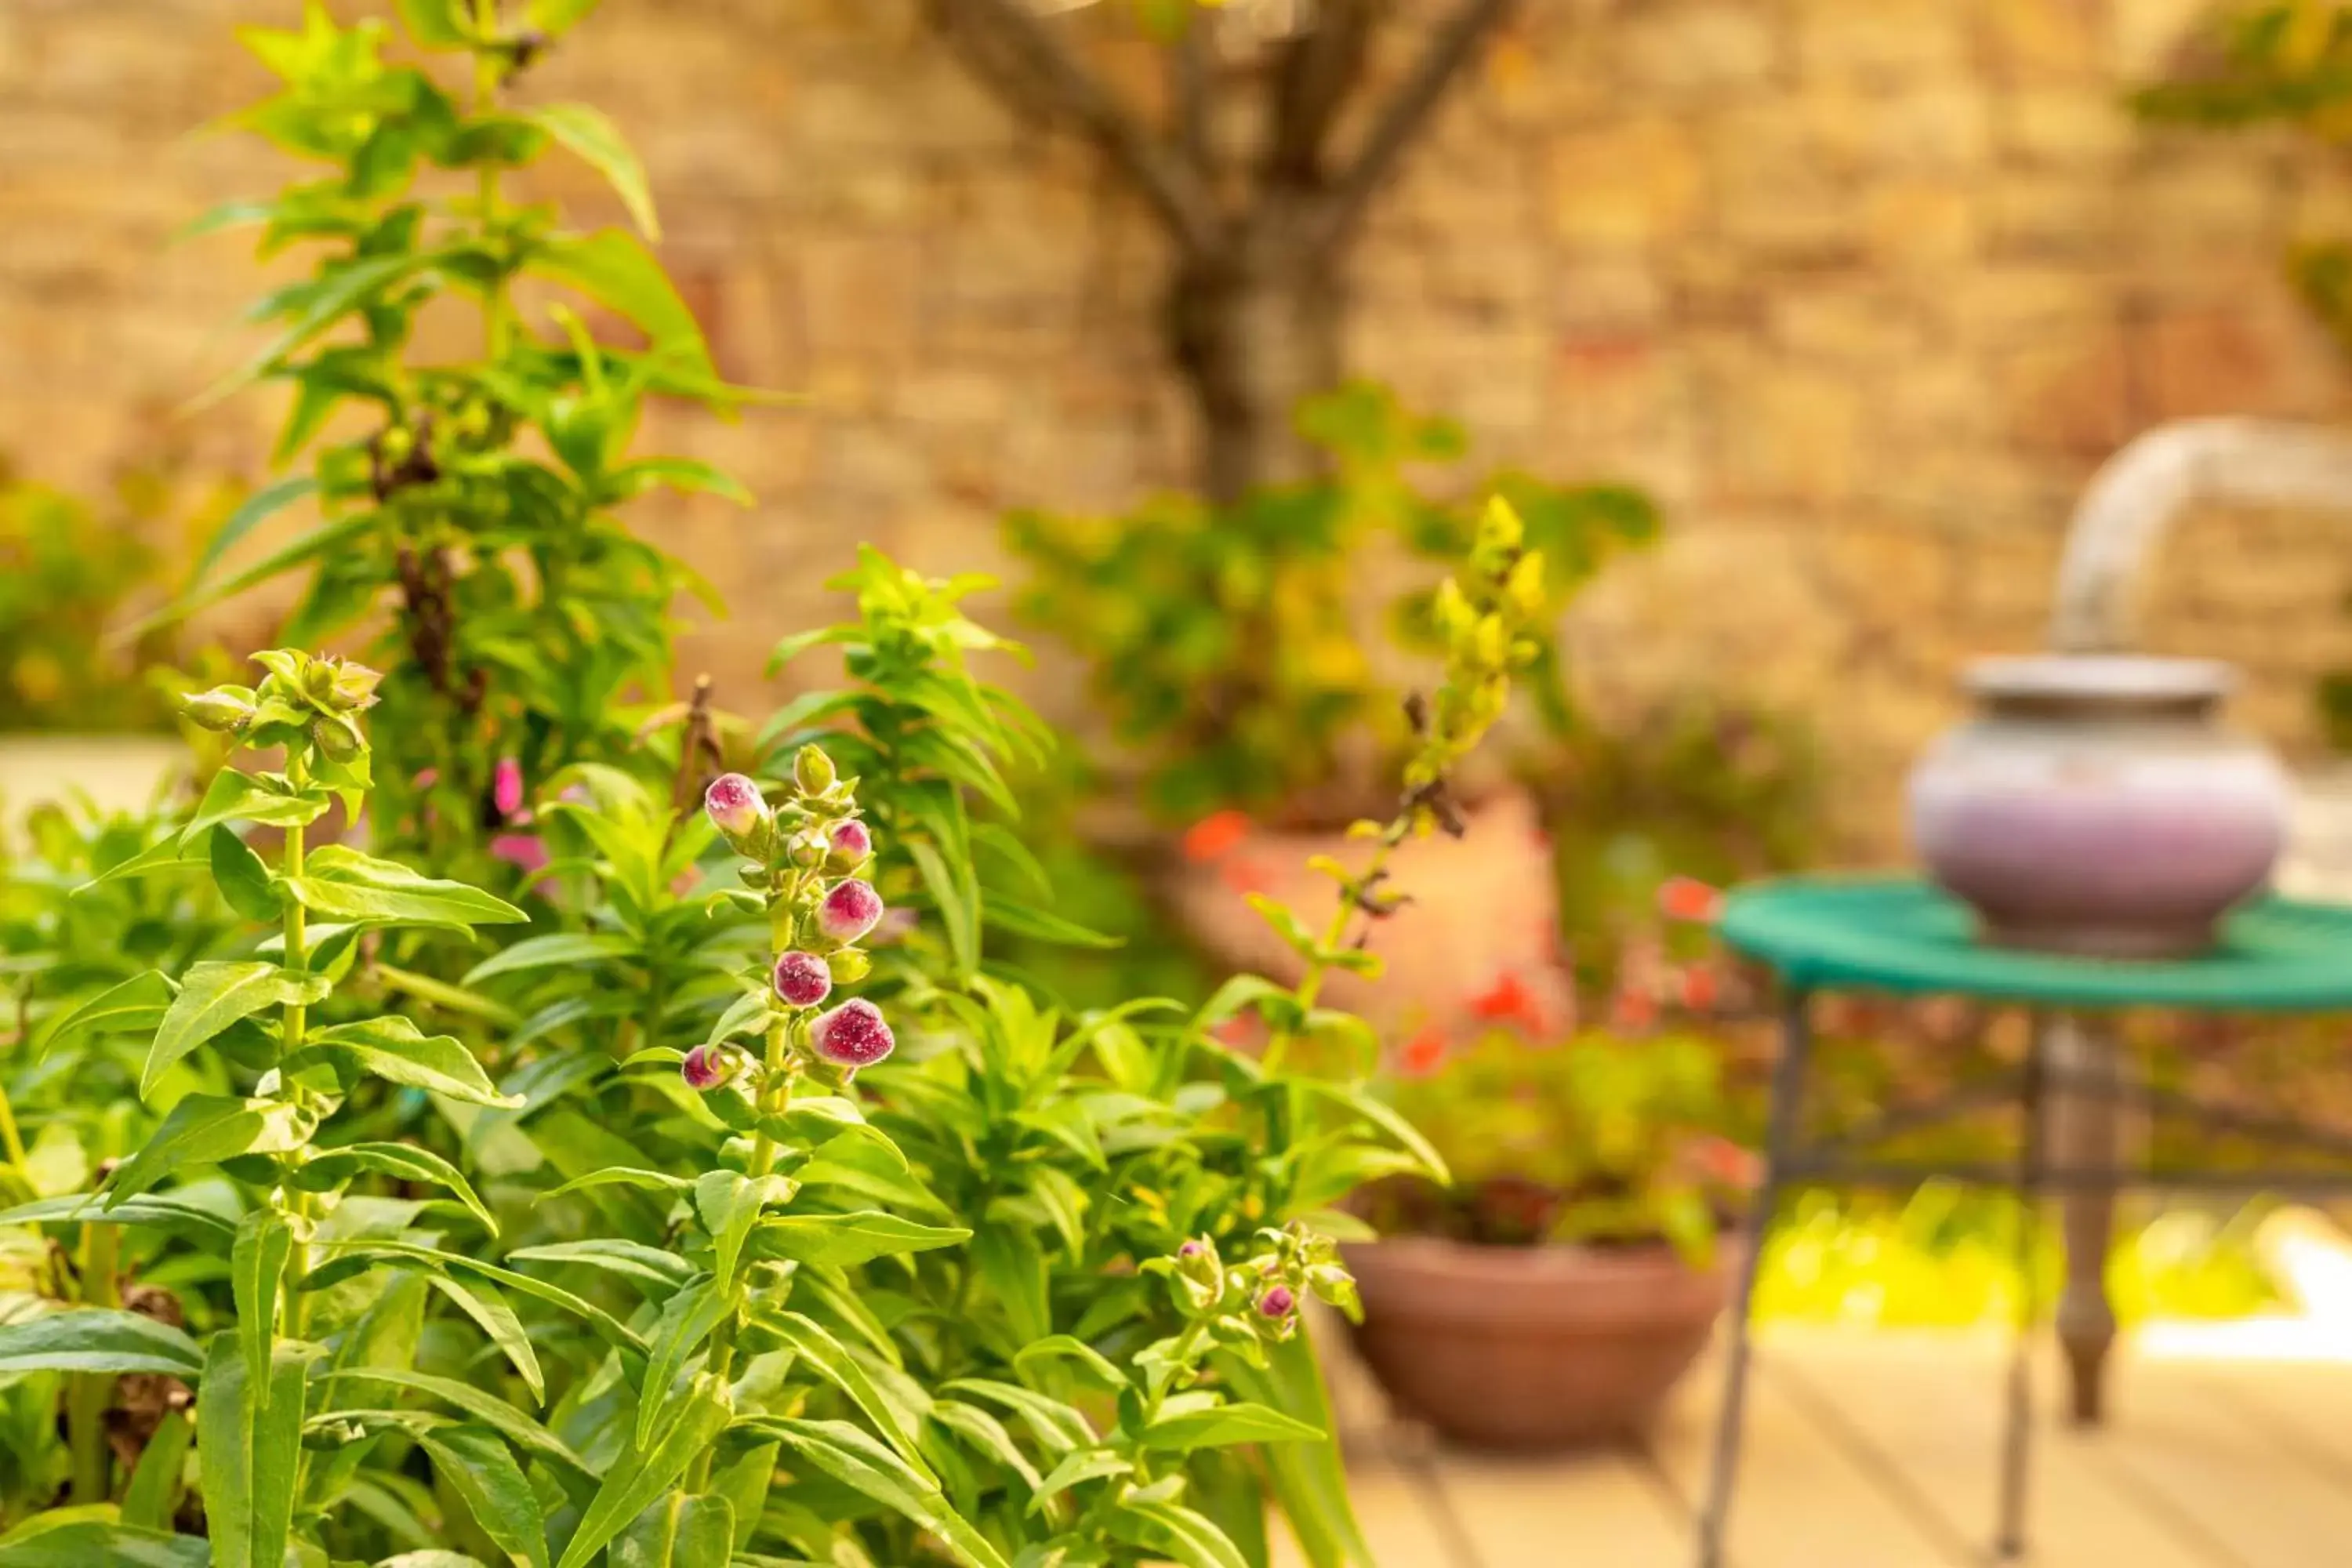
(1312, 80)
(1192, 70)
(1059, 85)
(1455, 45)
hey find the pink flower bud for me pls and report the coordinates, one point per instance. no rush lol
(527, 850)
(1190, 1249)
(506, 787)
(849, 911)
(734, 804)
(1278, 1302)
(853, 1034)
(705, 1068)
(851, 844)
(803, 979)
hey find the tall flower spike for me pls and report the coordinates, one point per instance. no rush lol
(850, 910)
(854, 1034)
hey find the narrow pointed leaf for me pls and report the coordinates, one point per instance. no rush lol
(859, 1461)
(831, 1360)
(203, 1130)
(587, 132)
(132, 1007)
(476, 1464)
(247, 1452)
(397, 1051)
(491, 1312)
(214, 995)
(98, 1339)
(341, 883)
(637, 1480)
(406, 1162)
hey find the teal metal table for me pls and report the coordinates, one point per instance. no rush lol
(1901, 936)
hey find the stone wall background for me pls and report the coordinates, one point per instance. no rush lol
(1862, 290)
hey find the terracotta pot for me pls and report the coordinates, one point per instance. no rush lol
(2096, 804)
(1483, 907)
(1533, 1348)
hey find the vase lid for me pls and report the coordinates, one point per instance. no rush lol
(2100, 677)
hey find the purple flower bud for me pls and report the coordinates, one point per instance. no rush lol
(849, 911)
(506, 787)
(734, 804)
(853, 1034)
(803, 979)
(705, 1068)
(1190, 1249)
(851, 844)
(1278, 1302)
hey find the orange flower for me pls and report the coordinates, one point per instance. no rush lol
(1216, 836)
(1700, 988)
(1689, 898)
(1424, 1054)
(1509, 1001)
(1721, 1160)
(1631, 1010)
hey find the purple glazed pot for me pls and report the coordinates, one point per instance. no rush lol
(2096, 804)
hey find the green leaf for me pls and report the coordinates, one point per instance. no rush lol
(862, 1464)
(437, 23)
(637, 1480)
(679, 1531)
(258, 508)
(1222, 1425)
(1092, 1364)
(341, 883)
(1058, 1426)
(50, 1540)
(831, 1360)
(1177, 1534)
(325, 539)
(614, 270)
(845, 1240)
(203, 1130)
(588, 134)
(476, 1463)
(214, 995)
(355, 1256)
(96, 1339)
(397, 1051)
(152, 1496)
(688, 475)
(554, 17)
(243, 880)
(1014, 1267)
(403, 1162)
(247, 1450)
(1308, 1479)
(1405, 1133)
(561, 950)
(483, 1406)
(256, 1267)
(687, 1320)
(134, 1006)
(1043, 925)
(1078, 1464)
(657, 1266)
(621, 1177)
(958, 906)
(987, 1435)
(316, 306)
(190, 1221)
(235, 797)
(729, 1205)
(495, 1318)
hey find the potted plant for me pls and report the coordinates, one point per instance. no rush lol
(1252, 710)
(1560, 1286)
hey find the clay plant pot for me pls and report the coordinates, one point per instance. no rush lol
(1533, 1349)
(1483, 907)
(2096, 804)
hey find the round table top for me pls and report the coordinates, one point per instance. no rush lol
(1903, 934)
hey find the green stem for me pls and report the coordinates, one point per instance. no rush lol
(11, 1140)
(89, 1393)
(1310, 984)
(775, 1099)
(291, 1031)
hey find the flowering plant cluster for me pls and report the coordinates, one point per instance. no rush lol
(713, 1193)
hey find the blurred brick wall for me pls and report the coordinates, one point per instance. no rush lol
(1863, 288)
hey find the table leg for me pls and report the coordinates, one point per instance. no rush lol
(2008, 1544)
(1780, 1144)
(2086, 1134)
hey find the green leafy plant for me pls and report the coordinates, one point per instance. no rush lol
(1599, 1138)
(476, 500)
(252, 1087)
(1224, 641)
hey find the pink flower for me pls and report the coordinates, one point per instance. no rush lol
(849, 911)
(851, 844)
(527, 850)
(506, 787)
(705, 1068)
(734, 804)
(803, 979)
(854, 1034)
(1278, 1302)
(1509, 1001)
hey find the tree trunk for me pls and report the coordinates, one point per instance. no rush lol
(1253, 327)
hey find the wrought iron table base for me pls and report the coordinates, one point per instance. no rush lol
(1789, 1163)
